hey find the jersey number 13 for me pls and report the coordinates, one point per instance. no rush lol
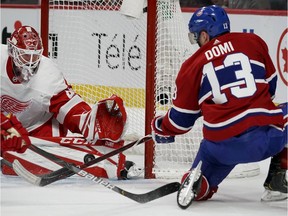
(243, 76)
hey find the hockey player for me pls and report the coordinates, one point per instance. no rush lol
(231, 82)
(36, 93)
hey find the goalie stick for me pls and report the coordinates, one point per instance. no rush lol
(7, 163)
(140, 198)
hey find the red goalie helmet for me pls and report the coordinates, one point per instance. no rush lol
(25, 48)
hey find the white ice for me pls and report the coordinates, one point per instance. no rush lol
(77, 196)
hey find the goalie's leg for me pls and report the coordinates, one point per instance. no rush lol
(131, 170)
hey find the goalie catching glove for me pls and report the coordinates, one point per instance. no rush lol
(14, 137)
(105, 121)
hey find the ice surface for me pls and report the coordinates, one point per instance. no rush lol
(77, 196)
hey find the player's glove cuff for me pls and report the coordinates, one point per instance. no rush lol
(157, 133)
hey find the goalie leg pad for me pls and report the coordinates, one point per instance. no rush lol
(33, 167)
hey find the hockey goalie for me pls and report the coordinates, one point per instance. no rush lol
(37, 101)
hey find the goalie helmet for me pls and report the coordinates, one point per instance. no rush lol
(25, 48)
(212, 19)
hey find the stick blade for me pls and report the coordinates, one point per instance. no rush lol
(21, 171)
(154, 194)
(161, 192)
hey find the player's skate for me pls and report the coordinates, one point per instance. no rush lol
(276, 182)
(275, 186)
(190, 187)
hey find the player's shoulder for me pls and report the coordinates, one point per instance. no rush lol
(254, 40)
(48, 79)
(47, 62)
(48, 67)
(49, 71)
(192, 65)
(245, 36)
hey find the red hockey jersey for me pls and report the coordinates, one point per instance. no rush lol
(231, 82)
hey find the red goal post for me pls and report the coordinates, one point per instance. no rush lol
(101, 52)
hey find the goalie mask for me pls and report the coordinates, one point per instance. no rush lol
(212, 19)
(25, 48)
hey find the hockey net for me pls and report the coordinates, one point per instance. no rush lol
(102, 52)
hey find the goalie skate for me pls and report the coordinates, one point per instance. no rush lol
(190, 187)
(131, 171)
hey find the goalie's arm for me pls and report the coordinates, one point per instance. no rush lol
(105, 120)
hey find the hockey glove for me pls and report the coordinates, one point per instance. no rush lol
(105, 121)
(14, 137)
(157, 133)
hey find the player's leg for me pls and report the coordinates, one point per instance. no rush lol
(276, 182)
(218, 159)
(201, 182)
(194, 186)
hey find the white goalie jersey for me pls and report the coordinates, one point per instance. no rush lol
(45, 97)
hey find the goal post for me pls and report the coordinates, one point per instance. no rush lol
(103, 52)
(150, 84)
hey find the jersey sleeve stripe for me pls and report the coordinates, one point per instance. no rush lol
(182, 121)
(185, 110)
(76, 99)
(247, 113)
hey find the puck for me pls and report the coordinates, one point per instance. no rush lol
(88, 157)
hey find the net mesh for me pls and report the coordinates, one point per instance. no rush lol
(101, 53)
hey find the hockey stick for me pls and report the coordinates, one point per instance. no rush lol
(65, 172)
(5, 162)
(140, 198)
